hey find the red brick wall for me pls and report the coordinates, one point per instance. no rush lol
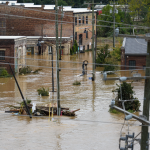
(9, 46)
(140, 60)
(33, 26)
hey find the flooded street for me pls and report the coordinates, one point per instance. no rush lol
(94, 128)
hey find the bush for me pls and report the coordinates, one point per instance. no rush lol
(114, 111)
(27, 102)
(127, 94)
(109, 67)
(116, 53)
(4, 73)
(25, 70)
(77, 83)
(43, 92)
(103, 54)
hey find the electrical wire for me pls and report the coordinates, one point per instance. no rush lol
(82, 62)
(75, 16)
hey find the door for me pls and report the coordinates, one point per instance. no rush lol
(80, 39)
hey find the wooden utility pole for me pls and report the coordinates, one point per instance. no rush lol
(57, 58)
(144, 130)
(93, 53)
(114, 24)
(61, 32)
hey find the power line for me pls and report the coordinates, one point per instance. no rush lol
(79, 63)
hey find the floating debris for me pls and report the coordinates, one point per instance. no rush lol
(40, 110)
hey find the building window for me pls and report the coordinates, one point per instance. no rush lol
(132, 63)
(83, 20)
(2, 53)
(80, 39)
(75, 35)
(79, 20)
(86, 34)
(75, 20)
(86, 19)
(87, 47)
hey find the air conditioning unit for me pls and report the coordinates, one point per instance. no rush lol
(12, 4)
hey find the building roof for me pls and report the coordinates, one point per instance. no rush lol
(11, 37)
(135, 46)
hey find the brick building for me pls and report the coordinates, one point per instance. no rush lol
(133, 53)
(12, 50)
(39, 20)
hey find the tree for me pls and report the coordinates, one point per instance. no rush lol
(136, 7)
(106, 19)
(61, 2)
(103, 54)
(127, 94)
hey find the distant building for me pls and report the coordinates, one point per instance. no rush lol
(133, 53)
(13, 51)
(27, 19)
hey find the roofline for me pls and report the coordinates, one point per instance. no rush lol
(133, 54)
(84, 12)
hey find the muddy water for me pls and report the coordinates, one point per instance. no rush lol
(94, 128)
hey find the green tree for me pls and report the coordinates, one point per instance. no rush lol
(103, 54)
(61, 2)
(127, 94)
(106, 19)
(136, 7)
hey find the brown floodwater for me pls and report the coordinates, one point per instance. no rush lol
(93, 128)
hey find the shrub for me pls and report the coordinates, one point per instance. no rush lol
(25, 70)
(127, 94)
(4, 73)
(77, 83)
(109, 67)
(111, 110)
(42, 91)
(27, 102)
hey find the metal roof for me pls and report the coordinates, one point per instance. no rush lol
(135, 46)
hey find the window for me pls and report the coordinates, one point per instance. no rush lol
(75, 35)
(75, 20)
(87, 47)
(2, 53)
(86, 34)
(80, 39)
(79, 20)
(83, 20)
(132, 63)
(86, 19)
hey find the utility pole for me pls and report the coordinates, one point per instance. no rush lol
(61, 32)
(114, 24)
(57, 57)
(144, 133)
(52, 74)
(93, 53)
